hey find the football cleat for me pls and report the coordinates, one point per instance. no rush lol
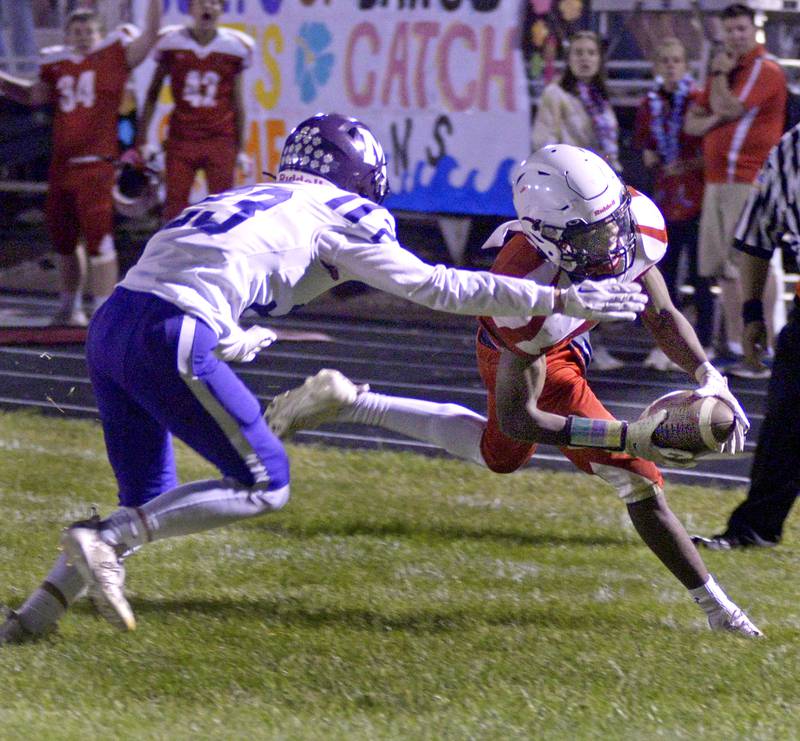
(729, 542)
(318, 400)
(100, 567)
(13, 632)
(734, 622)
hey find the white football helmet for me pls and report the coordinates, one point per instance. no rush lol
(575, 210)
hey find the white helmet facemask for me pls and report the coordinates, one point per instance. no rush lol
(576, 211)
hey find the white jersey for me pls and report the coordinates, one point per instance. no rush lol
(272, 247)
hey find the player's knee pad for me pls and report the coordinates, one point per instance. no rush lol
(105, 251)
(633, 493)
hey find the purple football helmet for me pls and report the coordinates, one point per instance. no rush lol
(338, 149)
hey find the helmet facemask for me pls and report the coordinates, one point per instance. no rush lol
(603, 249)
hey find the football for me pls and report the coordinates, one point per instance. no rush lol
(694, 423)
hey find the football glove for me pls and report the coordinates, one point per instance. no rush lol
(604, 299)
(713, 383)
(246, 345)
(639, 443)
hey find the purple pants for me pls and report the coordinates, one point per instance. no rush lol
(155, 375)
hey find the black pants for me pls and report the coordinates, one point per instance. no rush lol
(682, 237)
(775, 476)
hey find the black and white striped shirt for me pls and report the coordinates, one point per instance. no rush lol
(771, 217)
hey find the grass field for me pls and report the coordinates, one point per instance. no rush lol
(394, 597)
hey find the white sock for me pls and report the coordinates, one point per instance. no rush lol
(49, 601)
(190, 508)
(454, 428)
(712, 598)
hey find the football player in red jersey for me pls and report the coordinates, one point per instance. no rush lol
(206, 128)
(576, 220)
(84, 80)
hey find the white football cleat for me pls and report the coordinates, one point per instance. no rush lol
(318, 400)
(102, 571)
(734, 622)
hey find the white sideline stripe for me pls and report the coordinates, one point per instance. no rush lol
(208, 401)
(398, 443)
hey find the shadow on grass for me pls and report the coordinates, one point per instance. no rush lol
(439, 531)
(420, 620)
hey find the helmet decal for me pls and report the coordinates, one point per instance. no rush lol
(340, 150)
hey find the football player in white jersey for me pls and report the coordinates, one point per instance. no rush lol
(576, 219)
(158, 349)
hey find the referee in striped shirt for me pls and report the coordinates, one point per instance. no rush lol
(770, 219)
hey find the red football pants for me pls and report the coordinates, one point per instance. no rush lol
(566, 391)
(216, 157)
(79, 203)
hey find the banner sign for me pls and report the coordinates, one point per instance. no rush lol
(440, 82)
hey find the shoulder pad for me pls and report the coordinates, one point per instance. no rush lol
(502, 234)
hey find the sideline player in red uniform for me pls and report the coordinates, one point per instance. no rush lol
(206, 128)
(576, 220)
(84, 80)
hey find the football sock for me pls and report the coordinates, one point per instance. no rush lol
(49, 601)
(191, 508)
(454, 428)
(712, 598)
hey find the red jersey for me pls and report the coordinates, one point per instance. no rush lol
(679, 195)
(534, 336)
(86, 92)
(735, 151)
(202, 79)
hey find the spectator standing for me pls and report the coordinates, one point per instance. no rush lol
(17, 17)
(740, 116)
(84, 80)
(771, 218)
(576, 109)
(206, 129)
(676, 162)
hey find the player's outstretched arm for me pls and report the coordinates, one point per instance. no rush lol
(140, 47)
(387, 266)
(149, 107)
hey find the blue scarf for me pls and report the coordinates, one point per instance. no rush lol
(667, 131)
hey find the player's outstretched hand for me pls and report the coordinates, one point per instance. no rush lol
(639, 443)
(713, 383)
(603, 299)
(250, 343)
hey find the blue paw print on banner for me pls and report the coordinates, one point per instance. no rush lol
(312, 63)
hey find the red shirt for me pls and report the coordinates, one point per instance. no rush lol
(86, 93)
(678, 194)
(735, 151)
(203, 80)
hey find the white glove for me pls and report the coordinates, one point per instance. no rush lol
(604, 299)
(639, 443)
(249, 343)
(713, 383)
(245, 164)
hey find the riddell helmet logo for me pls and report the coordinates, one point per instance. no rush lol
(605, 208)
